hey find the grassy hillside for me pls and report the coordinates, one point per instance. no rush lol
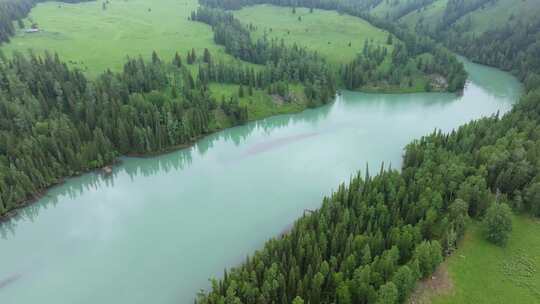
(484, 273)
(430, 14)
(496, 13)
(385, 8)
(324, 31)
(94, 39)
(393, 9)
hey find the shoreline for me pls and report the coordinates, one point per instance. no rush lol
(34, 197)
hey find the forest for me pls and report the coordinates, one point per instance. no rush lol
(373, 238)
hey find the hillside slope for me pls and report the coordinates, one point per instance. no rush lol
(473, 16)
(339, 38)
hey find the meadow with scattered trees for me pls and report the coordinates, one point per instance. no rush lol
(375, 237)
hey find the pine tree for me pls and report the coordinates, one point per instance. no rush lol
(193, 56)
(241, 91)
(207, 57)
(390, 39)
(155, 58)
(177, 60)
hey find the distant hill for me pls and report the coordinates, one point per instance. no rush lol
(470, 16)
(500, 33)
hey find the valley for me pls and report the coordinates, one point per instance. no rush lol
(336, 151)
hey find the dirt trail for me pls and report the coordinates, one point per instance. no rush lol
(439, 283)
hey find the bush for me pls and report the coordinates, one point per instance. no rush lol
(498, 223)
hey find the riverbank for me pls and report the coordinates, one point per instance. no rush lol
(260, 115)
(283, 110)
(42, 192)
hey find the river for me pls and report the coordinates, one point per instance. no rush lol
(158, 228)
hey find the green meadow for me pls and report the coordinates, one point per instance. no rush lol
(327, 32)
(483, 273)
(94, 39)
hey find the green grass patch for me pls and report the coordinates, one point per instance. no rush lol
(417, 85)
(485, 273)
(431, 14)
(93, 39)
(261, 104)
(326, 32)
(385, 8)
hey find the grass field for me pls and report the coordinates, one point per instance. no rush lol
(493, 14)
(387, 8)
(498, 13)
(94, 39)
(324, 31)
(431, 14)
(483, 273)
